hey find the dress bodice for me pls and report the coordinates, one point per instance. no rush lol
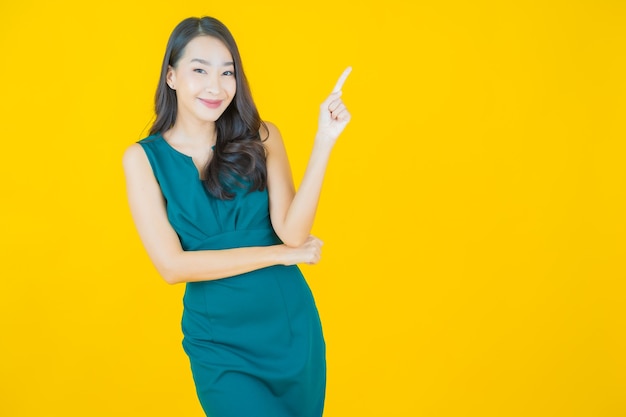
(201, 220)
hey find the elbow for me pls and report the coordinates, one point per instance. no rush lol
(173, 266)
(170, 274)
(294, 241)
(171, 279)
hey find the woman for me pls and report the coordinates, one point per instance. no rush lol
(213, 200)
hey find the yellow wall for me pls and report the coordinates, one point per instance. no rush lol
(474, 211)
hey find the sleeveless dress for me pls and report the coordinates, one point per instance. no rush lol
(254, 340)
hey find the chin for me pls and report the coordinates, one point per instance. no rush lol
(212, 118)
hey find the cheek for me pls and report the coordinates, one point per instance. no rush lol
(231, 87)
(187, 85)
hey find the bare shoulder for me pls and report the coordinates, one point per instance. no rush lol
(271, 135)
(134, 157)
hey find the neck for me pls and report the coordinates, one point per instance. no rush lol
(192, 132)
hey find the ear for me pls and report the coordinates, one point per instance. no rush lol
(170, 77)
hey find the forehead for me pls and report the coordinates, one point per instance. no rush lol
(207, 48)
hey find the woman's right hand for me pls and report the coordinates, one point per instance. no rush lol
(309, 252)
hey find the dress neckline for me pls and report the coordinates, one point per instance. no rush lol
(169, 145)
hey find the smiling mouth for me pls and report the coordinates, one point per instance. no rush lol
(211, 103)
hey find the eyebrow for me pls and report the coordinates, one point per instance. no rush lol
(208, 64)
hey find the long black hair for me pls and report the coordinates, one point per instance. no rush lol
(239, 155)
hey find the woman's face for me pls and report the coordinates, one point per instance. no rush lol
(204, 79)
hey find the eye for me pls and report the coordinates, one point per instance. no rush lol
(229, 73)
(199, 71)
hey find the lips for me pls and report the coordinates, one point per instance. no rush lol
(212, 104)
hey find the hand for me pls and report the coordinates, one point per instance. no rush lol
(334, 116)
(309, 252)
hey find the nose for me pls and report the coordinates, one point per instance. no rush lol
(213, 83)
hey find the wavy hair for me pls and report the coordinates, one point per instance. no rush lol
(239, 155)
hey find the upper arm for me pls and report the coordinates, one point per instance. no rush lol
(280, 184)
(147, 207)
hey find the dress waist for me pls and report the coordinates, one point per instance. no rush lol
(237, 239)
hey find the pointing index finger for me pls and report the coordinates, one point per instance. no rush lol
(342, 79)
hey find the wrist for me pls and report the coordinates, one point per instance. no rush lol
(323, 142)
(277, 254)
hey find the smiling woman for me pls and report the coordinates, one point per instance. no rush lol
(211, 194)
(203, 83)
(203, 75)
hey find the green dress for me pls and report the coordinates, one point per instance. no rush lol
(254, 340)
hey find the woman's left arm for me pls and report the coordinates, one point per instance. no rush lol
(292, 212)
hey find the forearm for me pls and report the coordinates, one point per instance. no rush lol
(300, 215)
(206, 265)
(293, 212)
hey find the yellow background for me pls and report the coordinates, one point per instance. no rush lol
(474, 211)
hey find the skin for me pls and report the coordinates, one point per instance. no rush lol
(205, 85)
